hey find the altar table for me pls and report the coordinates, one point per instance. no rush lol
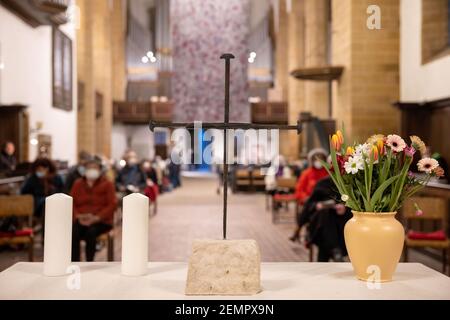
(166, 281)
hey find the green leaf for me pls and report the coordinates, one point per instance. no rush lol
(355, 203)
(379, 192)
(360, 187)
(399, 185)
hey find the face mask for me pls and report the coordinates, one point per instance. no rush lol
(132, 161)
(40, 174)
(317, 164)
(92, 174)
(81, 170)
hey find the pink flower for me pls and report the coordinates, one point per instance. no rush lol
(419, 211)
(409, 151)
(395, 142)
(427, 165)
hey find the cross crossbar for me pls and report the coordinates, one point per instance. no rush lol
(224, 126)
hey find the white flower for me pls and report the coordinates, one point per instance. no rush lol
(354, 164)
(344, 197)
(396, 143)
(427, 165)
(363, 149)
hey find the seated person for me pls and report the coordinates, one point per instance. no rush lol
(326, 218)
(7, 159)
(309, 177)
(174, 174)
(131, 178)
(149, 171)
(41, 183)
(94, 203)
(151, 190)
(277, 169)
(76, 171)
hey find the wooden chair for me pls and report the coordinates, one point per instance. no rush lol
(435, 212)
(258, 182)
(20, 206)
(242, 179)
(107, 238)
(284, 199)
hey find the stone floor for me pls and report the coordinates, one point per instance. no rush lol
(195, 211)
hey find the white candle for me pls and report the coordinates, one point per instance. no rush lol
(58, 234)
(135, 235)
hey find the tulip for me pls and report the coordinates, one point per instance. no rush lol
(349, 151)
(340, 136)
(380, 146)
(374, 153)
(335, 142)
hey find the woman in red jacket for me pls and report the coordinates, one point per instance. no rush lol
(309, 177)
(308, 180)
(94, 203)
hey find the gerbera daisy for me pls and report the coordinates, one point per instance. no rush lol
(396, 143)
(354, 164)
(418, 144)
(427, 165)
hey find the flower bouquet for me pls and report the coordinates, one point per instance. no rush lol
(374, 179)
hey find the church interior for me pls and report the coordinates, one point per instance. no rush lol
(91, 93)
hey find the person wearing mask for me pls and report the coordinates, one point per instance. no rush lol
(309, 177)
(326, 218)
(174, 174)
(77, 171)
(94, 203)
(149, 171)
(131, 178)
(160, 167)
(273, 171)
(7, 159)
(151, 190)
(41, 183)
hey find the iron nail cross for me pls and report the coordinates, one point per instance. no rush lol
(224, 126)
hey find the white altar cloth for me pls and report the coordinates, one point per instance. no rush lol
(166, 280)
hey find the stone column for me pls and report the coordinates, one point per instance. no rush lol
(296, 103)
(118, 30)
(101, 68)
(85, 71)
(316, 52)
(370, 82)
(375, 70)
(281, 67)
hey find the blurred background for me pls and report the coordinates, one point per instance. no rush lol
(80, 80)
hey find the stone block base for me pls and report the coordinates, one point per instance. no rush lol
(224, 267)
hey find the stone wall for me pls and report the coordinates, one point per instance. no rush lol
(363, 96)
(375, 58)
(101, 69)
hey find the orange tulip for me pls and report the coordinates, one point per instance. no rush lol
(380, 146)
(349, 151)
(335, 142)
(375, 153)
(340, 136)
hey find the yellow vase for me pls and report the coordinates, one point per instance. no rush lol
(374, 243)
